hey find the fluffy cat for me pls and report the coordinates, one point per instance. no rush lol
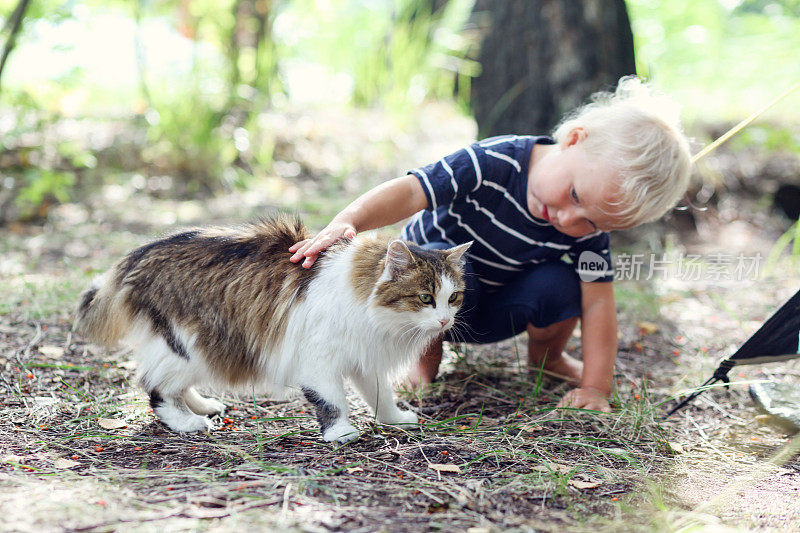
(224, 307)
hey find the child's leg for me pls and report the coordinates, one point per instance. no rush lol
(545, 301)
(546, 350)
(428, 365)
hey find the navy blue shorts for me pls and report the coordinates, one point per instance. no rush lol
(545, 294)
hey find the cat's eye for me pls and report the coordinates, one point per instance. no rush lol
(453, 297)
(426, 298)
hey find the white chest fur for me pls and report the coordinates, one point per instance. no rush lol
(332, 330)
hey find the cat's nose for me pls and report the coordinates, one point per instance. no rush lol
(444, 321)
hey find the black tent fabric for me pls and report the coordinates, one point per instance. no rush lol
(777, 340)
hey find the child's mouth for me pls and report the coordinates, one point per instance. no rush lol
(545, 214)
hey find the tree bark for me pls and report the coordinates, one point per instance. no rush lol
(14, 25)
(543, 58)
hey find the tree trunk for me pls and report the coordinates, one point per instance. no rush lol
(543, 58)
(13, 25)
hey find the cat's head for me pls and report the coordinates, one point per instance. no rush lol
(419, 290)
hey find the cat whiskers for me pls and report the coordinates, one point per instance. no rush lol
(413, 334)
(460, 329)
(457, 334)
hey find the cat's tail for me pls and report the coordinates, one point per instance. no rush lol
(102, 315)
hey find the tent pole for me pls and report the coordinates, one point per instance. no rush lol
(700, 390)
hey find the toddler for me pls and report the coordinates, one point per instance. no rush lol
(526, 202)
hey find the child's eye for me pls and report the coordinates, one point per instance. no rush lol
(426, 298)
(453, 297)
(574, 194)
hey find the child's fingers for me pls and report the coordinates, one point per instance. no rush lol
(323, 241)
(301, 252)
(309, 261)
(296, 246)
(317, 246)
(307, 250)
(310, 250)
(567, 400)
(297, 250)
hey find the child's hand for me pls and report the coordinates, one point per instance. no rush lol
(311, 248)
(585, 399)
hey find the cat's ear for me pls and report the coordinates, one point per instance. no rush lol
(398, 259)
(456, 254)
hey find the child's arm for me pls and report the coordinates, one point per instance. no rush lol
(385, 204)
(599, 339)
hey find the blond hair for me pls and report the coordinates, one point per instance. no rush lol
(638, 132)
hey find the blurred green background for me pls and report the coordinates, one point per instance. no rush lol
(187, 91)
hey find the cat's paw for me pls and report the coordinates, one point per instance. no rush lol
(400, 418)
(209, 407)
(341, 432)
(183, 423)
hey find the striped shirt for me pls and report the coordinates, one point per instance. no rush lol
(479, 194)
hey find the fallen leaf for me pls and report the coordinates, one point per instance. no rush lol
(111, 423)
(579, 484)
(647, 327)
(355, 469)
(531, 428)
(675, 447)
(53, 352)
(44, 401)
(445, 468)
(127, 365)
(64, 463)
(549, 467)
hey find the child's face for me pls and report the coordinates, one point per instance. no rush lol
(571, 190)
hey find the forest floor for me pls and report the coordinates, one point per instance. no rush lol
(81, 451)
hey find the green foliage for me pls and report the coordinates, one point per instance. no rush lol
(395, 53)
(53, 11)
(202, 124)
(184, 135)
(720, 59)
(195, 135)
(41, 175)
(42, 183)
(770, 6)
(769, 137)
(202, 119)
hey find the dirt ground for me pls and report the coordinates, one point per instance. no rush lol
(81, 451)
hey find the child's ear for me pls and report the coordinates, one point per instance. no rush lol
(574, 136)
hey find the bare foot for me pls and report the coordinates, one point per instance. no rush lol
(563, 367)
